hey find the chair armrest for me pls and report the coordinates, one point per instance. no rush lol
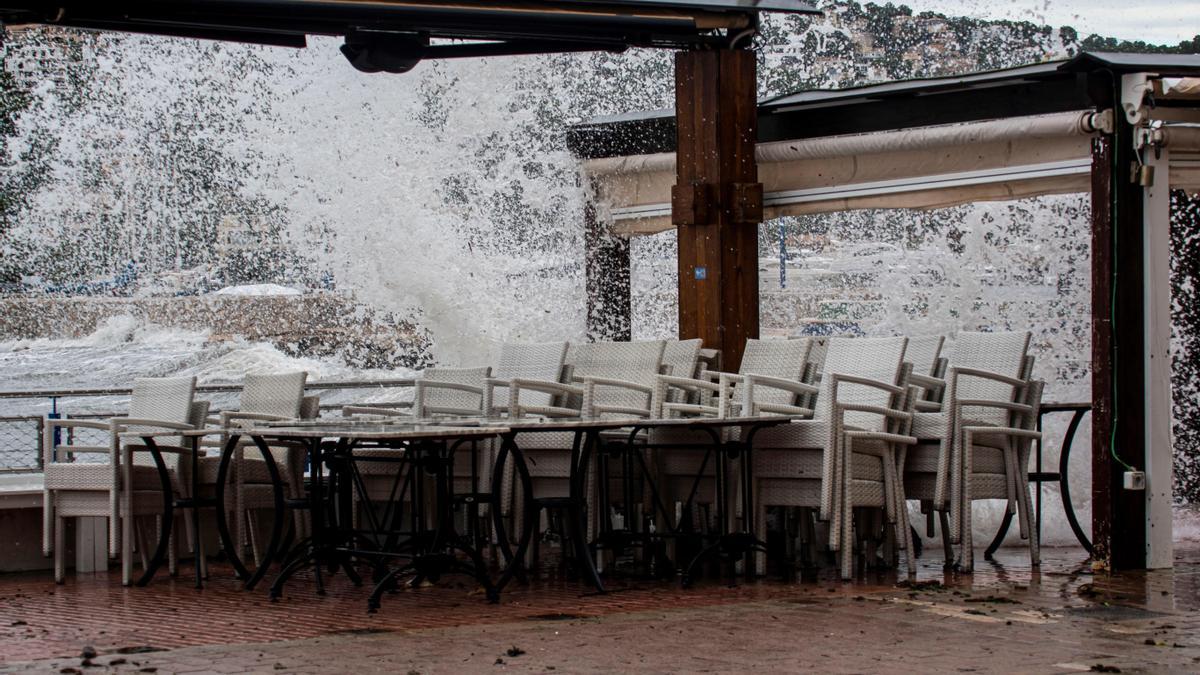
(121, 422)
(927, 406)
(1004, 405)
(51, 424)
(783, 409)
(351, 410)
(232, 415)
(545, 385)
(613, 382)
(882, 436)
(926, 381)
(901, 415)
(166, 449)
(839, 378)
(955, 373)
(1007, 431)
(688, 383)
(794, 386)
(457, 386)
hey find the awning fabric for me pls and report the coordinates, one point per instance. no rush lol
(1183, 143)
(926, 167)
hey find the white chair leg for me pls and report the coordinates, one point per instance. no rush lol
(251, 530)
(1020, 497)
(965, 529)
(49, 543)
(847, 510)
(115, 522)
(903, 529)
(142, 547)
(1010, 484)
(956, 489)
(1024, 500)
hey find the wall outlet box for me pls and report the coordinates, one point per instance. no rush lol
(1135, 480)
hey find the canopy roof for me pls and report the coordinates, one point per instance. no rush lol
(925, 143)
(1036, 89)
(523, 26)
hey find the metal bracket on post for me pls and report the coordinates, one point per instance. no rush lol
(1134, 87)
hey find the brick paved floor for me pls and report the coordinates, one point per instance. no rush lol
(1004, 618)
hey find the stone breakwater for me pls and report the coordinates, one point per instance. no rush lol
(317, 325)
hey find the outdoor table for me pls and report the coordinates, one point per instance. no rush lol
(429, 445)
(170, 502)
(592, 442)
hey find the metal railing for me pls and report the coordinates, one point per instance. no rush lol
(21, 436)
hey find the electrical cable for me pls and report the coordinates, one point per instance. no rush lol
(1114, 177)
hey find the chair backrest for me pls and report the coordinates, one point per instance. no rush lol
(274, 394)
(430, 401)
(537, 361)
(166, 399)
(163, 398)
(310, 407)
(880, 359)
(924, 352)
(786, 359)
(638, 362)
(681, 357)
(1003, 353)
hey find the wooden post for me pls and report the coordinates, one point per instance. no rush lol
(716, 202)
(1102, 335)
(606, 268)
(1118, 352)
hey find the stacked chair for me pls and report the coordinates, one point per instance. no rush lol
(846, 455)
(974, 429)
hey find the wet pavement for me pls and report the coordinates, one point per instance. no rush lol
(1004, 618)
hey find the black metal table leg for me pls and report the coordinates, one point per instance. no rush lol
(316, 516)
(515, 558)
(222, 520)
(168, 514)
(1064, 485)
(1062, 477)
(578, 491)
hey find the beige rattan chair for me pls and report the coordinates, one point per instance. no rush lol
(775, 365)
(995, 462)
(983, 367)
(858, 422)
(118, 488)
(529, 365)
(264, 398)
